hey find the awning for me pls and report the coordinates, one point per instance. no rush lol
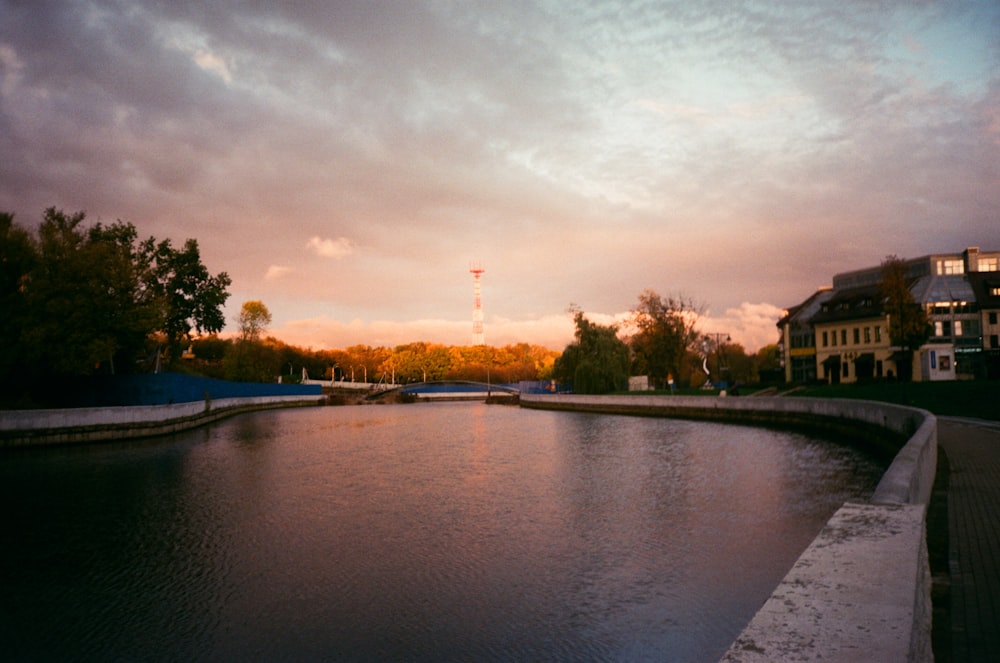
(865, 358)
(832, 360)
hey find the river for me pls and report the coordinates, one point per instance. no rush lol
(423, 532)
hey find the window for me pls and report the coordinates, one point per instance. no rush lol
(857, 336)
(825, 343)
(950, 267)
(833, 338)
(942, 328)
(868, 334)
(994, 342)
(878, 333)
(843, 337)
(965, 307)
(846, 371)
(939, 308)
(988, 264)
(995, 291)
(993, 317)
(958, 328)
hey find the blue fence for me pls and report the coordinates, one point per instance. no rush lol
(165, 388)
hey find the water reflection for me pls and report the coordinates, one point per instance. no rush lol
(423, 532)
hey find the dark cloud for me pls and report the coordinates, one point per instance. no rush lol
(582, 152)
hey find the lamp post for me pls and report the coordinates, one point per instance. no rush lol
(718, 338)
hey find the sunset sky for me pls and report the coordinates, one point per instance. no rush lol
(345, 162)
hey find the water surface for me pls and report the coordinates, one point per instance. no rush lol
(427, 532)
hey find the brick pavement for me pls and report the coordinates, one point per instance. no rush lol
(973, 453)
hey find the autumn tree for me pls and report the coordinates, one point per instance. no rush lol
(247, 359)
(665, 329)
(254, 319)
(909, 326)
(596, 362)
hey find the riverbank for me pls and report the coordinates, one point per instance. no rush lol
(879, 608)
(20, 428)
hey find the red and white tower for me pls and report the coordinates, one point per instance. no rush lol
(477, 304)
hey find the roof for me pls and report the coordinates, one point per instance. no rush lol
(851, 304)
(803, 313)
(943, 288)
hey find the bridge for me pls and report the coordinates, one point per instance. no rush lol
(448, 390)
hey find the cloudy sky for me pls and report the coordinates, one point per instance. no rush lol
(346, 161)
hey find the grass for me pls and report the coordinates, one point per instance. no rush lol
(962, 398)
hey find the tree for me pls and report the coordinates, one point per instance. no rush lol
(665, 329)
(189, 297)
(597, 362)
(254, 319)
(18, 258)
(247, 359)
(909, 327)
(91, 299)
(84, 297)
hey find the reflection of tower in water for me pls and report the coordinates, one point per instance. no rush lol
(478, 337)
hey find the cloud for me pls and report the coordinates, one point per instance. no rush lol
(276, 272)
(751, 325)
(730, 153)
(213, 63)
(331, 248)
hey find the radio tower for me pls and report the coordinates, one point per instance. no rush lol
(477, 304)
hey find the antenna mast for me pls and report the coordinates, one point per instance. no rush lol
(478, 338)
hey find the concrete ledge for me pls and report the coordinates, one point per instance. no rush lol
(861, 590)
(70, 426)
(851, 596)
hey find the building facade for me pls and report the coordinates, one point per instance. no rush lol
(849, 329)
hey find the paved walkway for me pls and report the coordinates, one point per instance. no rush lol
(974, 536)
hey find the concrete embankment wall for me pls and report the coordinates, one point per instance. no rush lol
(861, 590)
(77, 425)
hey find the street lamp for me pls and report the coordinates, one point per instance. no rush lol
(717, 337)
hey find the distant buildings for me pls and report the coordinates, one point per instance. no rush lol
(840, 334)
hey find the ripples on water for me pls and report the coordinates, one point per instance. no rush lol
(428, 532)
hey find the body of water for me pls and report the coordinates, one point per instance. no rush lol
(426, 532)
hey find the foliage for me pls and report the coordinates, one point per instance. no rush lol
(17, 261)
(247, 359)
(84, 300)
(597, 362)
(189, 297)
(665, 332)
(909, 326)
(254, 319)
(411, 362)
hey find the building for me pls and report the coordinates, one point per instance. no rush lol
(798, 340)
(848, 327)
(986, 287)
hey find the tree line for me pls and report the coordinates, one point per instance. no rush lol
(660, 340)
(84, 300)
(253, 356)
(79, 300)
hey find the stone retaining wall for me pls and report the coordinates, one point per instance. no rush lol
(861, 590)
(76, 425)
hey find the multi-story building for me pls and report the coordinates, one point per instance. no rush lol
(799, 338)
(852, 337)
(960, 293)
(986, 286)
